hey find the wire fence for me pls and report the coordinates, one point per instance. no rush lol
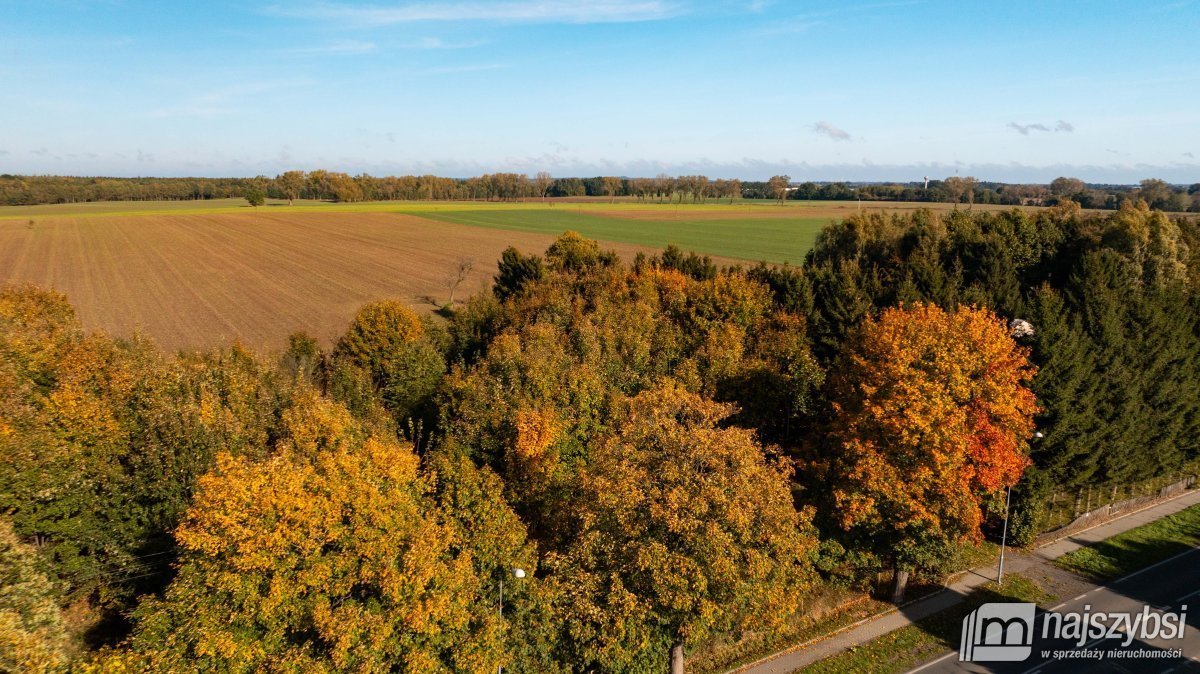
(1081, 507)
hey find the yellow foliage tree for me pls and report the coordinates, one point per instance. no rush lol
(683, 529)
(32, 636)
(332, 555)
(378, 329)
(392, 344)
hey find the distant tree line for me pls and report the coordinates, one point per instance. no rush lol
(1156, 193)
(29, 190)
(343, 187)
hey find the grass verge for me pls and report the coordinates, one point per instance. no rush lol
(906, 647)
(722, 655)
(1137, 548)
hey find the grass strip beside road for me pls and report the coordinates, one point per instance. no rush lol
(725, 657)
(902, 649)
(718, 657)
(1137, 548)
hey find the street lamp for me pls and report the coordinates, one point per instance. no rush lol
(1004, 536)
(518, 573)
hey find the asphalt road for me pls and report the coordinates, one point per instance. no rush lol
(1166, 586)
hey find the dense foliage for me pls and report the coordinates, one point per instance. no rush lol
(32, 637)
(669, 450)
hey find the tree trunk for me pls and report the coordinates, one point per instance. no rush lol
(677, 659)
(899, 585)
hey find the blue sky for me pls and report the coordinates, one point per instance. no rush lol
(1015, 91)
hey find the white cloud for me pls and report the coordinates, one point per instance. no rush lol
(831, 131)
(1024, 129)
(517, 11)
(216, 102)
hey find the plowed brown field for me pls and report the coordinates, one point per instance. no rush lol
(196, 281)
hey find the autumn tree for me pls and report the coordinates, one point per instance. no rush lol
(345, 188)
(398, 350)
(778, 187)
(932, 413)
(459, 273)
(291, 184)
(1153, 244)
(66, 421)
(572, 251)
(121, 433)
(256, 197)
(971, 183)
(952, 187)
(611, 185)
(32, 636)
(684, 529)
(1155, 192)
(336, 553)
(542, 183)
(1066, 187)
(663, 186)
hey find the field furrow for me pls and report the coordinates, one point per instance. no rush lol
(198, 280)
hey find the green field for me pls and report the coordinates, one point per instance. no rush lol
(776, 239)
(749, 230)
(746, 230)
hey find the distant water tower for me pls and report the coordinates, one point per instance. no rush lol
(926, 182)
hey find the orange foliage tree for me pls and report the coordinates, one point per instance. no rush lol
(932, 414)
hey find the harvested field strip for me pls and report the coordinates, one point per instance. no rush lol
(197, 281)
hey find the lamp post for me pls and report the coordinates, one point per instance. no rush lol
(1004, 535)
(1003, 538)
(516, 573)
